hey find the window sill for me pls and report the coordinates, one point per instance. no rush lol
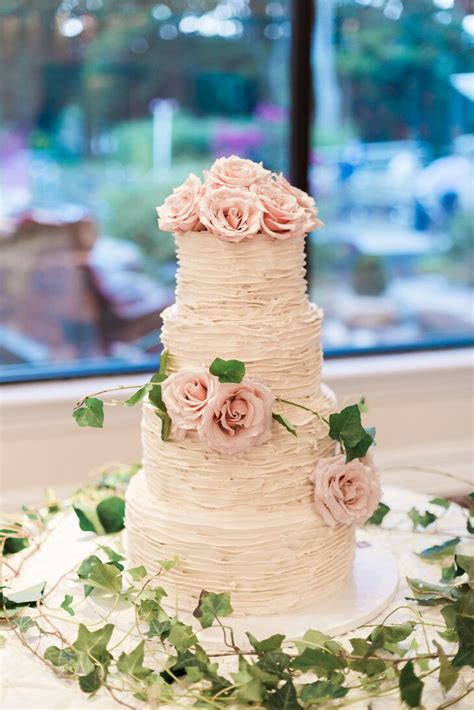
(421, 403)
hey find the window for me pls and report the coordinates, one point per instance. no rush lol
(105, 106)
(392, 166)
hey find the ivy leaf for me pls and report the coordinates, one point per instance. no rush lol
(275, 664)
(138, 396)
(250, 689)
(66, 604)
(60, 657)
(379, 514)
(272, 643)
(421, 519)
(169, 564)
(210, 606)
(320, 662)
(111, 512)
(90, 413)
(88, 518)
(345, 426)
(362, 404)
(132, 663)
(93, 644)
(437, 552)
(448, 674)
(91, 682)
(227, 370)
(281, 419)
(284, 698)
(105, 577)
(26, 597)
(360, 449)
(321, 692)
(429, 594)
(84, 571)
(443, 502)
(368, 666)
(12, 545)
(137, 573)
(394, 633)
(469, 526)
(465, 563)
(114, 557)
(181, 636)
(465, 629)
(411, 687)
(23, 623)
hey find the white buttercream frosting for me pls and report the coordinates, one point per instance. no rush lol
(247, 524)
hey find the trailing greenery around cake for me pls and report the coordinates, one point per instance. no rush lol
(168, 664)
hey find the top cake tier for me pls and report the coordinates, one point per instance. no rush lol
(248, 301)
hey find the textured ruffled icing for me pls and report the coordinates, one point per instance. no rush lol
(246, 524)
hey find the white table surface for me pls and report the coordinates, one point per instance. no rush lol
(28, 684)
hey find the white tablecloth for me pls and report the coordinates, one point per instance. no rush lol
(29, 685)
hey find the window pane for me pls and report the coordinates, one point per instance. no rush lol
(392, 169)
(104, 107)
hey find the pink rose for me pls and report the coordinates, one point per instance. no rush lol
(231, 213)
(238, 416)
(304, 200)
(235, 172)
(180, 211)
(186, 394)
(345, 492)
(282, 216)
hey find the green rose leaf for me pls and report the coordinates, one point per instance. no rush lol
(111, 513)
(379, 514)
(421, 519)
(165, 425)
(138, 396)
(448, 674)
(156, 398)
(90, 413)
(438, 552)
(322, 692)
(281, 419)
(66, 604)
(272, 643)
(132, 663)
(411, 687)
(227, 370)
(360, 449)
(284, 698)
(164, 362)
(346, 427)
(211, 606)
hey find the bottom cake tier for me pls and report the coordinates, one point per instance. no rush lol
(285, 561)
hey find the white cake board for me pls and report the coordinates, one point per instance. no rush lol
(366, 594)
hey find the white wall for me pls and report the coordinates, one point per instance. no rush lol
(422, 405)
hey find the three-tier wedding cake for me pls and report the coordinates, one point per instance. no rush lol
(243, 476)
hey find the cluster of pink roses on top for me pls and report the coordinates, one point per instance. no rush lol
(239, 198)
(228, 417)
(346, 492)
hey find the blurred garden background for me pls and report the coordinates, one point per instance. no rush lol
(105, 105)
